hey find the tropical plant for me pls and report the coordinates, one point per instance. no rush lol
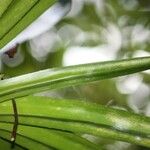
(65, 123)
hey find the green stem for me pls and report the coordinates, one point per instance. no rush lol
(69, 76)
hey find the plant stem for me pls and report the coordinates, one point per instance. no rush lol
(69, 76)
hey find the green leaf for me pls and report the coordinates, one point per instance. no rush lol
(5, 144)
(4, 5)
(69, 76)
(79, 117)
(24, 142)
(19, 15)
(47, 138)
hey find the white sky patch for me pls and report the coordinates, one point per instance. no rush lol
(129, 84)
(142, 53)
(147, 110)
(71, 34)
(139, 98)
(140, 34)
(0, 63)
(113, 37)
(44, 44)
(80, 55)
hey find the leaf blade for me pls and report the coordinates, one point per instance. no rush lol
(4, 4)
(33, 10)
(69, 76)
(80, 117)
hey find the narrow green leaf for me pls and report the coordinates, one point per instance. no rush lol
(24, 13)
(69, 76)
(14, 14)
(4, 5)
(5, 145)
(51, 138)
(23, 141)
